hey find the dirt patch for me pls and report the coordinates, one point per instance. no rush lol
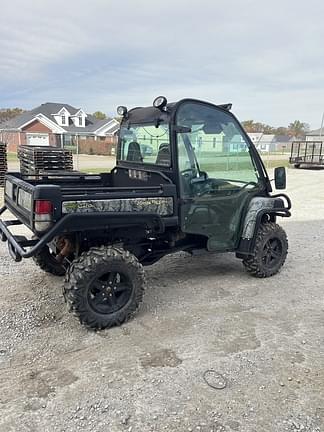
(161, 358)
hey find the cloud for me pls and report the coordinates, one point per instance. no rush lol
(265, 57)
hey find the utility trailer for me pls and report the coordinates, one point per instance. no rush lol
(307, 153)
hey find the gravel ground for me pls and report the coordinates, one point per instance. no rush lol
(265, 337)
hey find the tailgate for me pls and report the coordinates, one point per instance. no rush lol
(19, 198)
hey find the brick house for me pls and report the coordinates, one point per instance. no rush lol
(60, 125)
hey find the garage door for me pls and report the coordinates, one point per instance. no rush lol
(37, 139)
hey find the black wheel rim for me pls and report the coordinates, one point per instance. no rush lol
(272, 252)
(109, 293)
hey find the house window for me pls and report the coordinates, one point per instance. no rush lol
(63, 119)
(80, 121)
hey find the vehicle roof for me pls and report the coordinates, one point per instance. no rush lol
(151, 114)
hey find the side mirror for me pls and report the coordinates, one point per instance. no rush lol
(280, 177)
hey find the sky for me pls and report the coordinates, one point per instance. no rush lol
(266, 57)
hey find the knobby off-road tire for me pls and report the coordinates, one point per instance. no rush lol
(47, 262)
(104, 287)
(270, 251)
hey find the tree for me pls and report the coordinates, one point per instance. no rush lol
(252, 126)
(298, 128)
(5, 115)
(268, 129)
(281, 130)
(99, 115)
(9, 113)
(248, 125)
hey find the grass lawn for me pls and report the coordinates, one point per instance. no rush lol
(269, 164)
(276, 163)
(12, 157)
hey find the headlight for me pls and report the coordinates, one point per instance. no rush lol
(25, 199)
(121, 110)
(160, 102)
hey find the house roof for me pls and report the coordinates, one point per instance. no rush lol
(266, 138)
(48, 109)
(255, 136)
(108, 129)
(315, 132)
(261, 138)
(282, 138)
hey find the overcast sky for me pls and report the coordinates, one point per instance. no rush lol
(266, 57)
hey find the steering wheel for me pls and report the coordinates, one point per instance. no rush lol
(251, 183)
(187, 171)
(204, 187)
(210, 187)
(187, 174)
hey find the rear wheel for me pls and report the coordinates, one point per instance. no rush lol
(45, 259)
(270, 251)
(104, 287)
(297, 165)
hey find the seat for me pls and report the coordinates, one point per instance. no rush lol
(134, 152)
(164, 156)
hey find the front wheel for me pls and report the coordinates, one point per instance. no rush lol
(104, 287)
(270, 251)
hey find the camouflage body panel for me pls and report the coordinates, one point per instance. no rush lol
(159, 205)
(256, 204)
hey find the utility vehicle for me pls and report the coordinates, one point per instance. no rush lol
(203, 187)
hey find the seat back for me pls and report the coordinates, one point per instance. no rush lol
(134, 152)
(164, 155)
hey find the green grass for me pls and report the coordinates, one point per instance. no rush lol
(276, 163)
(269, 164)
(12, 157)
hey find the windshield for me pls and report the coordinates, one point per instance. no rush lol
(212, 142)
(147, 144)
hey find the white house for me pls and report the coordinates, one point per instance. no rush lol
(315, 135)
